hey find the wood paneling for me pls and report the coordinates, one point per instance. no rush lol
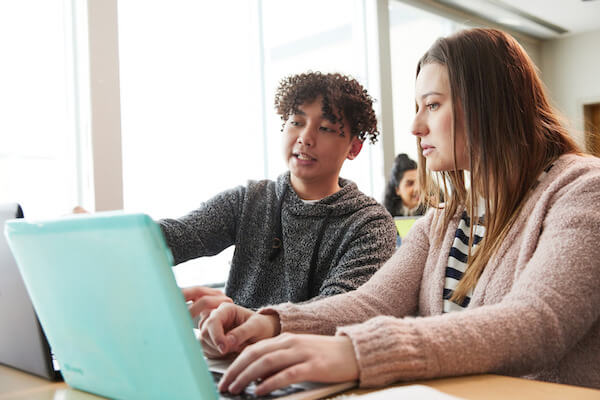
(591, 113)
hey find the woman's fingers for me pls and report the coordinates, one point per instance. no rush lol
(222, 320)
(290, 358)
(259, 360)
(293, 374)
(210, 351)
(213, 330)
(256, 328)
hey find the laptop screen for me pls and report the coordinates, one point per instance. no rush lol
(403, 225)
(23, 344)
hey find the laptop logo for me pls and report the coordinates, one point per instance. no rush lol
(76, 370)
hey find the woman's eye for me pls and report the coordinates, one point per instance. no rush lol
(433, 106)
(294, 123)
(327, 129)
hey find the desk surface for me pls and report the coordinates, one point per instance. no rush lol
(15, 384)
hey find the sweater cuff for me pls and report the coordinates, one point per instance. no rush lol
(293, 318)
(387, 349)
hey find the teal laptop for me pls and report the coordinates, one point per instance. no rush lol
(105, 294)
(108, 301)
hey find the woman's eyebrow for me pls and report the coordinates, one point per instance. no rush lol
(431, 94)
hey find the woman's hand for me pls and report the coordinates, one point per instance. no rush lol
(204, 300)
(230, 328)
(291, 358)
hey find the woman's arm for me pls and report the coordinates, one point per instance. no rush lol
(552, 305)
(392, 290)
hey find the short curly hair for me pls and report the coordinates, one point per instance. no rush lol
(341, 94)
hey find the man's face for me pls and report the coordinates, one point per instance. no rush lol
(314, 147)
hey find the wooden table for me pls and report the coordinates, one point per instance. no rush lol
(15, 385)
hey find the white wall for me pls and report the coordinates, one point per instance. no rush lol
(571, 71)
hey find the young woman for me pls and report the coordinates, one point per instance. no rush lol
(502, 277)
(401, 196)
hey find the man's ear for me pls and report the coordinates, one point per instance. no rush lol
(355, 148)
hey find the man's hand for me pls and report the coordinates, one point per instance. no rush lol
(204, 300)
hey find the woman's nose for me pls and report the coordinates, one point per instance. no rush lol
(419, 127)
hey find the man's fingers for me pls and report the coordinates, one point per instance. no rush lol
(208, 302)
(194, 292)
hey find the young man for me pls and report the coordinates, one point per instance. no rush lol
(310, 233)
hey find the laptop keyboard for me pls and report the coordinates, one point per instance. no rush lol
(248, 393)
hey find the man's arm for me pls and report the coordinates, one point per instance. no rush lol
(207, 230)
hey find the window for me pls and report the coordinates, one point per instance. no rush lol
(197, 81)
(318, 36)
(197, 97)
(38, 141)
(412, 32)
(190, 118)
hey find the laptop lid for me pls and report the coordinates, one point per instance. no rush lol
(117, 321)
(23, 344)
(107, 298)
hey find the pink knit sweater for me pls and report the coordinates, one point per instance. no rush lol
(534, 312)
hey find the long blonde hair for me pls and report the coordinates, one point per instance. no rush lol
(512, 134)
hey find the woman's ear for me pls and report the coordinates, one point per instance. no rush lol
(355, 148)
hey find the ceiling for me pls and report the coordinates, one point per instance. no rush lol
(544, 19)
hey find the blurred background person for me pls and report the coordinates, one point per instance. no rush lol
(401, 196)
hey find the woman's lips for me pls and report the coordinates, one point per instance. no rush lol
(427, 149)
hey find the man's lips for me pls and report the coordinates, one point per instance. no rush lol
(304, 156)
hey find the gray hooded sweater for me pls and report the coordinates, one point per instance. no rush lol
(286, 249)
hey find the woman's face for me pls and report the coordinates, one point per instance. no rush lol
(408, 190)
(434, 119)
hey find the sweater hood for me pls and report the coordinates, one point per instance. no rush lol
(345, 201)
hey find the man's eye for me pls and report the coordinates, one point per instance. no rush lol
(327, 129)
(433, 106)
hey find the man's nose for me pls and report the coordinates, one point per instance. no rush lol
(307, 135)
